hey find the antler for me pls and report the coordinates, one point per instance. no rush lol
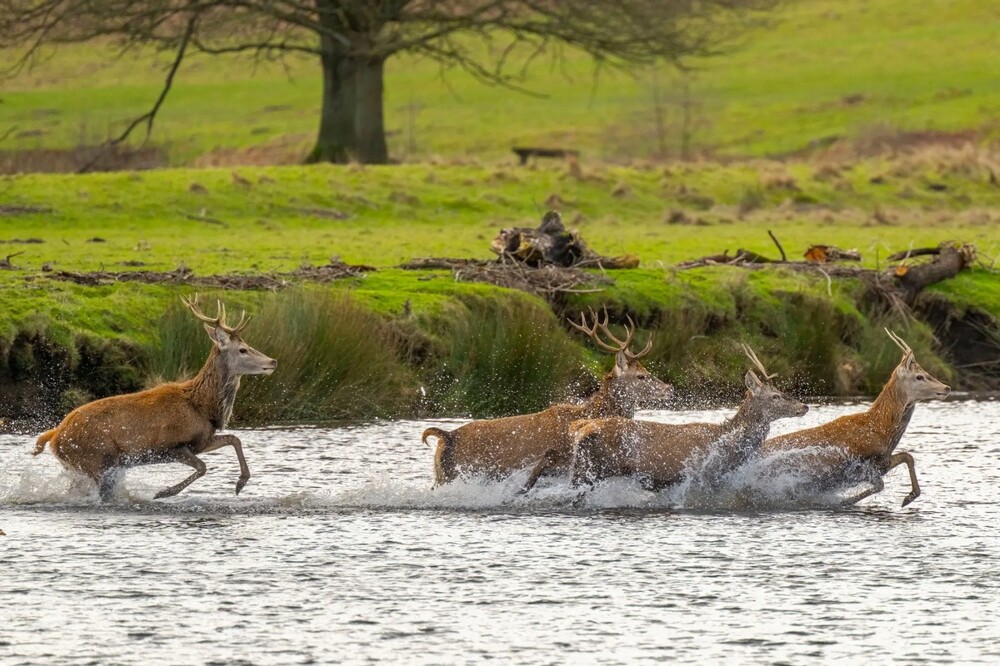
(756, 362)
(218, 321)
(899, 342)
(601, 327)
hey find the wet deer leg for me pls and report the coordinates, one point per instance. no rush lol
(549, 459)
(183, 455)
(220, 441)
(906, 459)
(877, 485)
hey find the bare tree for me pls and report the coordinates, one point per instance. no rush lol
(495, 40)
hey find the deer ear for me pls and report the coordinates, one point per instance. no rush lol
(621, 363)
(217, 335)
(753, 381)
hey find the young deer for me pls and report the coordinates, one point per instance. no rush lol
(859, 447)
(170, 423)
(499, 447)
(660, 454)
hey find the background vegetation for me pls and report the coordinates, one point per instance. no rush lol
(859, 124)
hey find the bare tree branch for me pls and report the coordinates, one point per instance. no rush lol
(150, 116)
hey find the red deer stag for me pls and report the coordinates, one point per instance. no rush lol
(660, 454)
(497, 448)
(859, 447)
(173, 422)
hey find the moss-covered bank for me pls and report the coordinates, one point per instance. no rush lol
(401, 344)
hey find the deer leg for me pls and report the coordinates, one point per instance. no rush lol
(548, 460)
(906, 459)
(183, 455)
(106, 485)
(877, 485)
(220, 441)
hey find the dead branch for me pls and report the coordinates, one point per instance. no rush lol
(5, 262)
(784, 257)
(150, 115)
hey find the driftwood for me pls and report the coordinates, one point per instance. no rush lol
(899, 285)
(551, 244)
(949, 260)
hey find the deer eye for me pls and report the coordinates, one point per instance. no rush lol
(775, 397)
(243, 350)
(920, 378)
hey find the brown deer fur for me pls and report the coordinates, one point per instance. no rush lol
(496, 448)
(174, 422)
(660, 454)
(860, 447)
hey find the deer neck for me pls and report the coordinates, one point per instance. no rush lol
(749, 425)
(213, 390)
(607, 403)
(890, 414)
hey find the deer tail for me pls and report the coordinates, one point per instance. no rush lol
(44, 439)
(444, 457)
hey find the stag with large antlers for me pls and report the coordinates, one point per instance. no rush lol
(858, 448)
(174, 422)
(660, 454)
(496, 448)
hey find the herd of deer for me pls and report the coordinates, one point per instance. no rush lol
(595, 440)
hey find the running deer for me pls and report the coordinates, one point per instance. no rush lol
(660, 454)
(497, 448)
(173, 422)
(859, 447)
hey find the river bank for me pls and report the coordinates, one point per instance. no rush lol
(393, 343)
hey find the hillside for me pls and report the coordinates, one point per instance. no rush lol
(885, 72)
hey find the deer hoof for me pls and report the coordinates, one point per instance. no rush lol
(909, 498)
(242, 482)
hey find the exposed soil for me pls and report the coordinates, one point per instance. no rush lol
(335, 270)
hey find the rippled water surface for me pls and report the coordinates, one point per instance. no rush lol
(338, 550)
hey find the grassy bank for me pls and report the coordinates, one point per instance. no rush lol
(821, 69)
(397, 343)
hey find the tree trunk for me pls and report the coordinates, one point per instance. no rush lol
(337, 133)
(369, 121)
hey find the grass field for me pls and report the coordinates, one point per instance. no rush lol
(821, 69)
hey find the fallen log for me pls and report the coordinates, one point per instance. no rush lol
(949, 260)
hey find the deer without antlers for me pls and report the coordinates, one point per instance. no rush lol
(660, 454)
(497, 448)
(858, 448)
(174, 422)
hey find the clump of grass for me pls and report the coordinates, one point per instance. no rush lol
(753, 198)
(503, 355)
(336, 360)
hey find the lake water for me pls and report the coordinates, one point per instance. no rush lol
(339, 551)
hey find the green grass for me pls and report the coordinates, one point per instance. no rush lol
(363, 347)
(908, 66)
(396, 213)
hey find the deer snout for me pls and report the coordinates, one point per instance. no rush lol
(945, 390)
(270, 366)
(802, 411)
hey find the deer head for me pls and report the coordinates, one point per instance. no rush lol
(238, 357)
(763, 399)
(629, 382)
(915, 382)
